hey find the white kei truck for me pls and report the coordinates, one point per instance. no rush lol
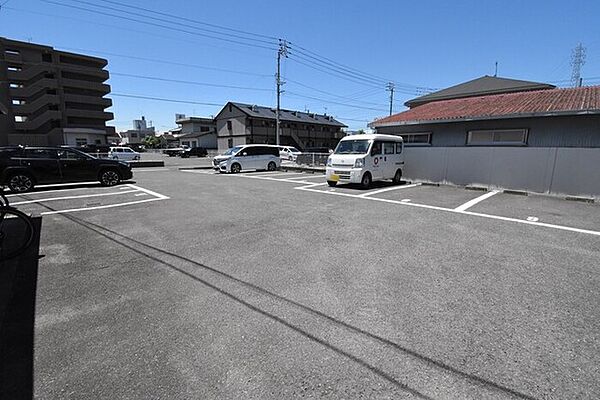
(363, 159)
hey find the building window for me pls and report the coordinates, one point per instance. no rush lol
(18, 102)
(12, 52)
(206, 128)
(230, 108)
(20, 118)
(417, 138)
(229, 126)
(47, 57)
(229, 143)
(16, 85)
(13, 68)
(80, 141)
(497, 137)
(133, 134)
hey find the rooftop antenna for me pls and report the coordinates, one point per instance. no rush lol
(496, 70)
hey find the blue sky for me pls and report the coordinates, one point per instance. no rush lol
(424, 44)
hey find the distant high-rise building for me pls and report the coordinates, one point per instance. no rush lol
(51, 97)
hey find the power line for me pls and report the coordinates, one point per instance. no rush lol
(190, 20)
(135, 96)
(168, 62)
(334, 102)
(155, 78)
(165, 20)
(375, 77)
(158, 25)
(331, 94)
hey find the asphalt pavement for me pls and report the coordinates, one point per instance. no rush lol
(246, 287)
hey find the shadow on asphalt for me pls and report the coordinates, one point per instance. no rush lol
(115, 237)
(18, 283)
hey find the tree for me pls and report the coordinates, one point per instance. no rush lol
(152, 142)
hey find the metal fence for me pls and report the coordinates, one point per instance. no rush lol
(312, 159)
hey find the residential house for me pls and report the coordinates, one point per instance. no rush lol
(504, 133)
(196, 132)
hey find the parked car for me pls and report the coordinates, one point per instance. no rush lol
(174, 151)
(123, 153)
(366, 158)
(194, 151)
(245, 157)
(21, 168)
(289, 153)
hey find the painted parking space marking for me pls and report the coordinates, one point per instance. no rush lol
(471, 203)
(83, 196)
(462, 209)
(453, 210)
(306, 176)
(127, 192)
(533, 219)
(389, 189)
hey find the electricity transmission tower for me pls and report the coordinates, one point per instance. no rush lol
(283, 51)
(577, 61)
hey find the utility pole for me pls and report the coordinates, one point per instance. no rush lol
(283, 51)
(390, 88)
(577, 61)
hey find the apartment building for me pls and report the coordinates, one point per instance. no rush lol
(51, 97)
(239, 123)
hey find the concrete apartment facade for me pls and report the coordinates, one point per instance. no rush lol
(51, 97)
(196, 132)
(239, 123)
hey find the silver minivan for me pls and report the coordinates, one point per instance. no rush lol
(248, 157)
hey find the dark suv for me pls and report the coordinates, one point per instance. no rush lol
(21, 168)
(194, 151)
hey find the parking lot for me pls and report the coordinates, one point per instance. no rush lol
(194, 284)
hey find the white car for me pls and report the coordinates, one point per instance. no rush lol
(123, 153)
(366, 158)
(248, 157)
(289, 153)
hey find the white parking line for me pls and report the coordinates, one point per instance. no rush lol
(101, 207)
(83, 196)
(389, 189)
(453, 210)
(275, 174)
(141, 194)
(471, 203)
(150, 192)
(307, 176)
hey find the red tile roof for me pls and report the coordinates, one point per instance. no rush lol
(582, 100)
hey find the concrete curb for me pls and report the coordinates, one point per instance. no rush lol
(304, 169)
(150, 163)
(200, 167)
